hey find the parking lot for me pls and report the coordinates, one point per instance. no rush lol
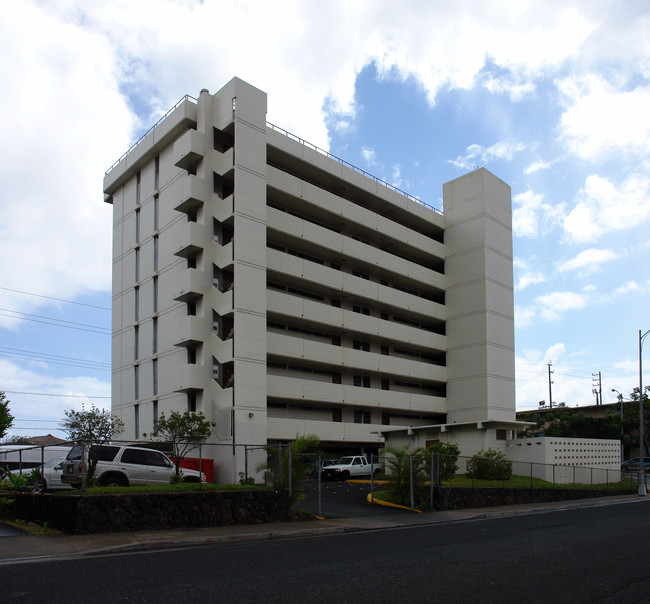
(343, 500)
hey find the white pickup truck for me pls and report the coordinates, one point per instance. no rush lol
(351, 466)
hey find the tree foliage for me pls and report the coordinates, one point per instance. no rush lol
(304, 452)
(91, 428)
(406, 468)
(184, 431)
(6, 419)
(489, 464)
(445, 458)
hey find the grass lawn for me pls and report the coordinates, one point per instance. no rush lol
(180, 487)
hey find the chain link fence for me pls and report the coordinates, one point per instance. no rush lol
(407, 481)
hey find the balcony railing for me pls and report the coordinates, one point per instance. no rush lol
(352, 166)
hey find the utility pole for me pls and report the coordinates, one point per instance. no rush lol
(598, 387)
(550, 395)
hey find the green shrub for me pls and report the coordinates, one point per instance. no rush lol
(444, 456)
(489, 465)
(400, 464)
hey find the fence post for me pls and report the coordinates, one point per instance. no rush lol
(433, 456)
(411, 480)
(553, 475)
(200, 465)
(289, 470)
(246, 464)
(574, 477)
(591, 478)
(372, 478)
(318, 476)
(531, 474)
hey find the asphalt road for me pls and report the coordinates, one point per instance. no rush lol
(597, 554)
(342, 500)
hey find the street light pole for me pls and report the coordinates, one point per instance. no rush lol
(620, 398)
(642, 489)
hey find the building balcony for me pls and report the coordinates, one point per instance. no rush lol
(223, 209)
(281, 428)
(191, 378)
(224, 162)
(192, 238)
(190, 330)
(291, 389)
(192, 191)
(191, 285)
(189, 149)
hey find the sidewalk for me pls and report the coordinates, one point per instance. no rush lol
(27, 547)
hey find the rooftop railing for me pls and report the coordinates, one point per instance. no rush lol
(352, 166)
(288, 134)
(187, 97)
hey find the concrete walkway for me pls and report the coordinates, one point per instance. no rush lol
(26, 547)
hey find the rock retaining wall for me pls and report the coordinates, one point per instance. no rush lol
(79, 514)
(456, 498)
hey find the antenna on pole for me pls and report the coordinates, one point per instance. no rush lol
(597, 387)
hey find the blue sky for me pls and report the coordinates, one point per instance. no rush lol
(551, 97)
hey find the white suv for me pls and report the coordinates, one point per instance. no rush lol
(124, 466)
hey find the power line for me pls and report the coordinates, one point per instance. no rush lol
(17, 291)
(30, 355)
(51, 394)
(93, 328)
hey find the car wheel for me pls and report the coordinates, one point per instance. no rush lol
(114, 480)
(345, 475)
(191, 479)
(40, 486)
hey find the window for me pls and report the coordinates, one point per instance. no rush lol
(155, 376)
(361, 417)
(136, 410)
(136, 342)
(155, 335)
(216, 370)
(156, 212)
(362, 381)
(361, 309)
(360, 345)
(337, 415)
(155, 253)
(191, 402)
(501, 434)
(191, 308)
(191, 355)
(156, 172)
(137, 225)
(137, 188)
(155, 294)
(361, 275)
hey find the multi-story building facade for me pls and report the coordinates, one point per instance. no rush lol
(281, 291)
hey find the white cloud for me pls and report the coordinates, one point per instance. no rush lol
(537, 166)
(555, 305)
(369, 155)
(524, 316)
(603, 206)
(601, 119)
(530, 214)
(525, 276)
(477, 156)
(588, 261)
(26, 408)
(627, 288)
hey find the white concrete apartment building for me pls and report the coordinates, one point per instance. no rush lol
(282, 291)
